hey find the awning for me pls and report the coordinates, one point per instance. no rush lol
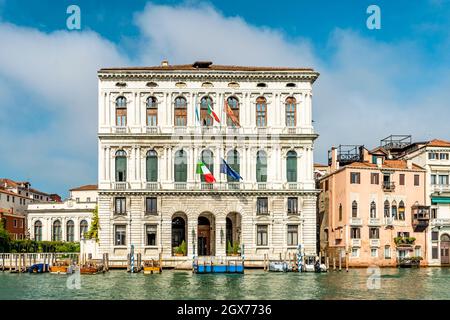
(435, 200)
(441, 168)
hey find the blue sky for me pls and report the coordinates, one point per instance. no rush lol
(373, 82)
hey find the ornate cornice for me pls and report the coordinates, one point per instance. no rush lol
(305, 75)
(208, 193)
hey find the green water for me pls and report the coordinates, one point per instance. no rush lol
(424, 283)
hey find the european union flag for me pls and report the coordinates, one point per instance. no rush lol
(225, 168)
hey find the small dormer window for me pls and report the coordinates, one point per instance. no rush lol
(261, 85)
(291, 85)
(180, 85)
(207, 85)
(121, 84)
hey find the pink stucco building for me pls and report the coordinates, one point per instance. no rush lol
(372, 208)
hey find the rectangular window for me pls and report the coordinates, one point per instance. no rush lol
(443, 156)
(262, 206)
(13, 198)
(387, 252)
(416, 180)
(374, 252)
(402, 179)
(326, 185)
(355, 177)
(374, 233)
(292, 233)
(292, 206)
(417, 252)
(443, 179)
(355, 233)
(150, 235)
(88, 199)
(434, 235)
(433, 213)
(14, 223)
(261, 114)
(355, 252)
(151, 205)
(120, 235)
(374, 178)
(290, 114)
(120, 206)
(77, 200)
(262, 235)
(432, 156)
(433, 179)
(434, 253)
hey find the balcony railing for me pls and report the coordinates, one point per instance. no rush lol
(120, 129)
(388, 221)
(233, 186)
(292, 186)
(261, 186)
(206, 186)
(356, 221)
(152, 185)
(151, 129)
(388, 186)
(440, 222)
(293, 213)
(440, 187)
(180, 130)
(180, 185)
(374, 222)
(374, 242)
(356, 242)
(120, 185)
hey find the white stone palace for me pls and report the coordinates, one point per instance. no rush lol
(155, 126)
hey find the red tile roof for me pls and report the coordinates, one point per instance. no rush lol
(85, 188)
(388, 164)
(438, 143)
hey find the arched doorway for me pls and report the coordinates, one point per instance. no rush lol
(206, 235)
(445, 248)
(233, 231)
(178, 232)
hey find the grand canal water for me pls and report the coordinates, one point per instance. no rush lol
(424, 283)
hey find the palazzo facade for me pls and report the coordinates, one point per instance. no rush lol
(157, 123)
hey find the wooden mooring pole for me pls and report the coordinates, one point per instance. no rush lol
(334, 263)
(340, 261)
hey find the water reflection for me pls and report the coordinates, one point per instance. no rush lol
(424, 283)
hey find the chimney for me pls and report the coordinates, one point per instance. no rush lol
(334, 162)
(165, 63)
(409, 164)
(365, 155)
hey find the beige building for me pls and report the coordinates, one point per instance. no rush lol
(373, 208)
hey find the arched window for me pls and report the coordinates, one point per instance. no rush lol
(234, 162)
(83, 228)
(180, 112)
(121, 111)
(57, 232)
(152, 112)
(354, 209)
(152, 166)
(261, 166)
(233, 112)
(387, 209)
(394, 210)
(261, 112)
(70, 231)
(373, 210)
(291, 166)
(121, 166)
(207, 157)
(180, 166)
(38, 231)
(205, 117)
(401, 210)
(291, 112)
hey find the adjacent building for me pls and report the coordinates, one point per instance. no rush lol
(14, 200)
(434, 156)
(64, 221)
(374, 208)
(157, 123)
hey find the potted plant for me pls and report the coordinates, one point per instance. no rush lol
(233, 250)
(181, 249)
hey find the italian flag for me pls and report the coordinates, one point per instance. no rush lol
(212, 113)
(203, 169)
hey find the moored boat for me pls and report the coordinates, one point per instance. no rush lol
(152, 266)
